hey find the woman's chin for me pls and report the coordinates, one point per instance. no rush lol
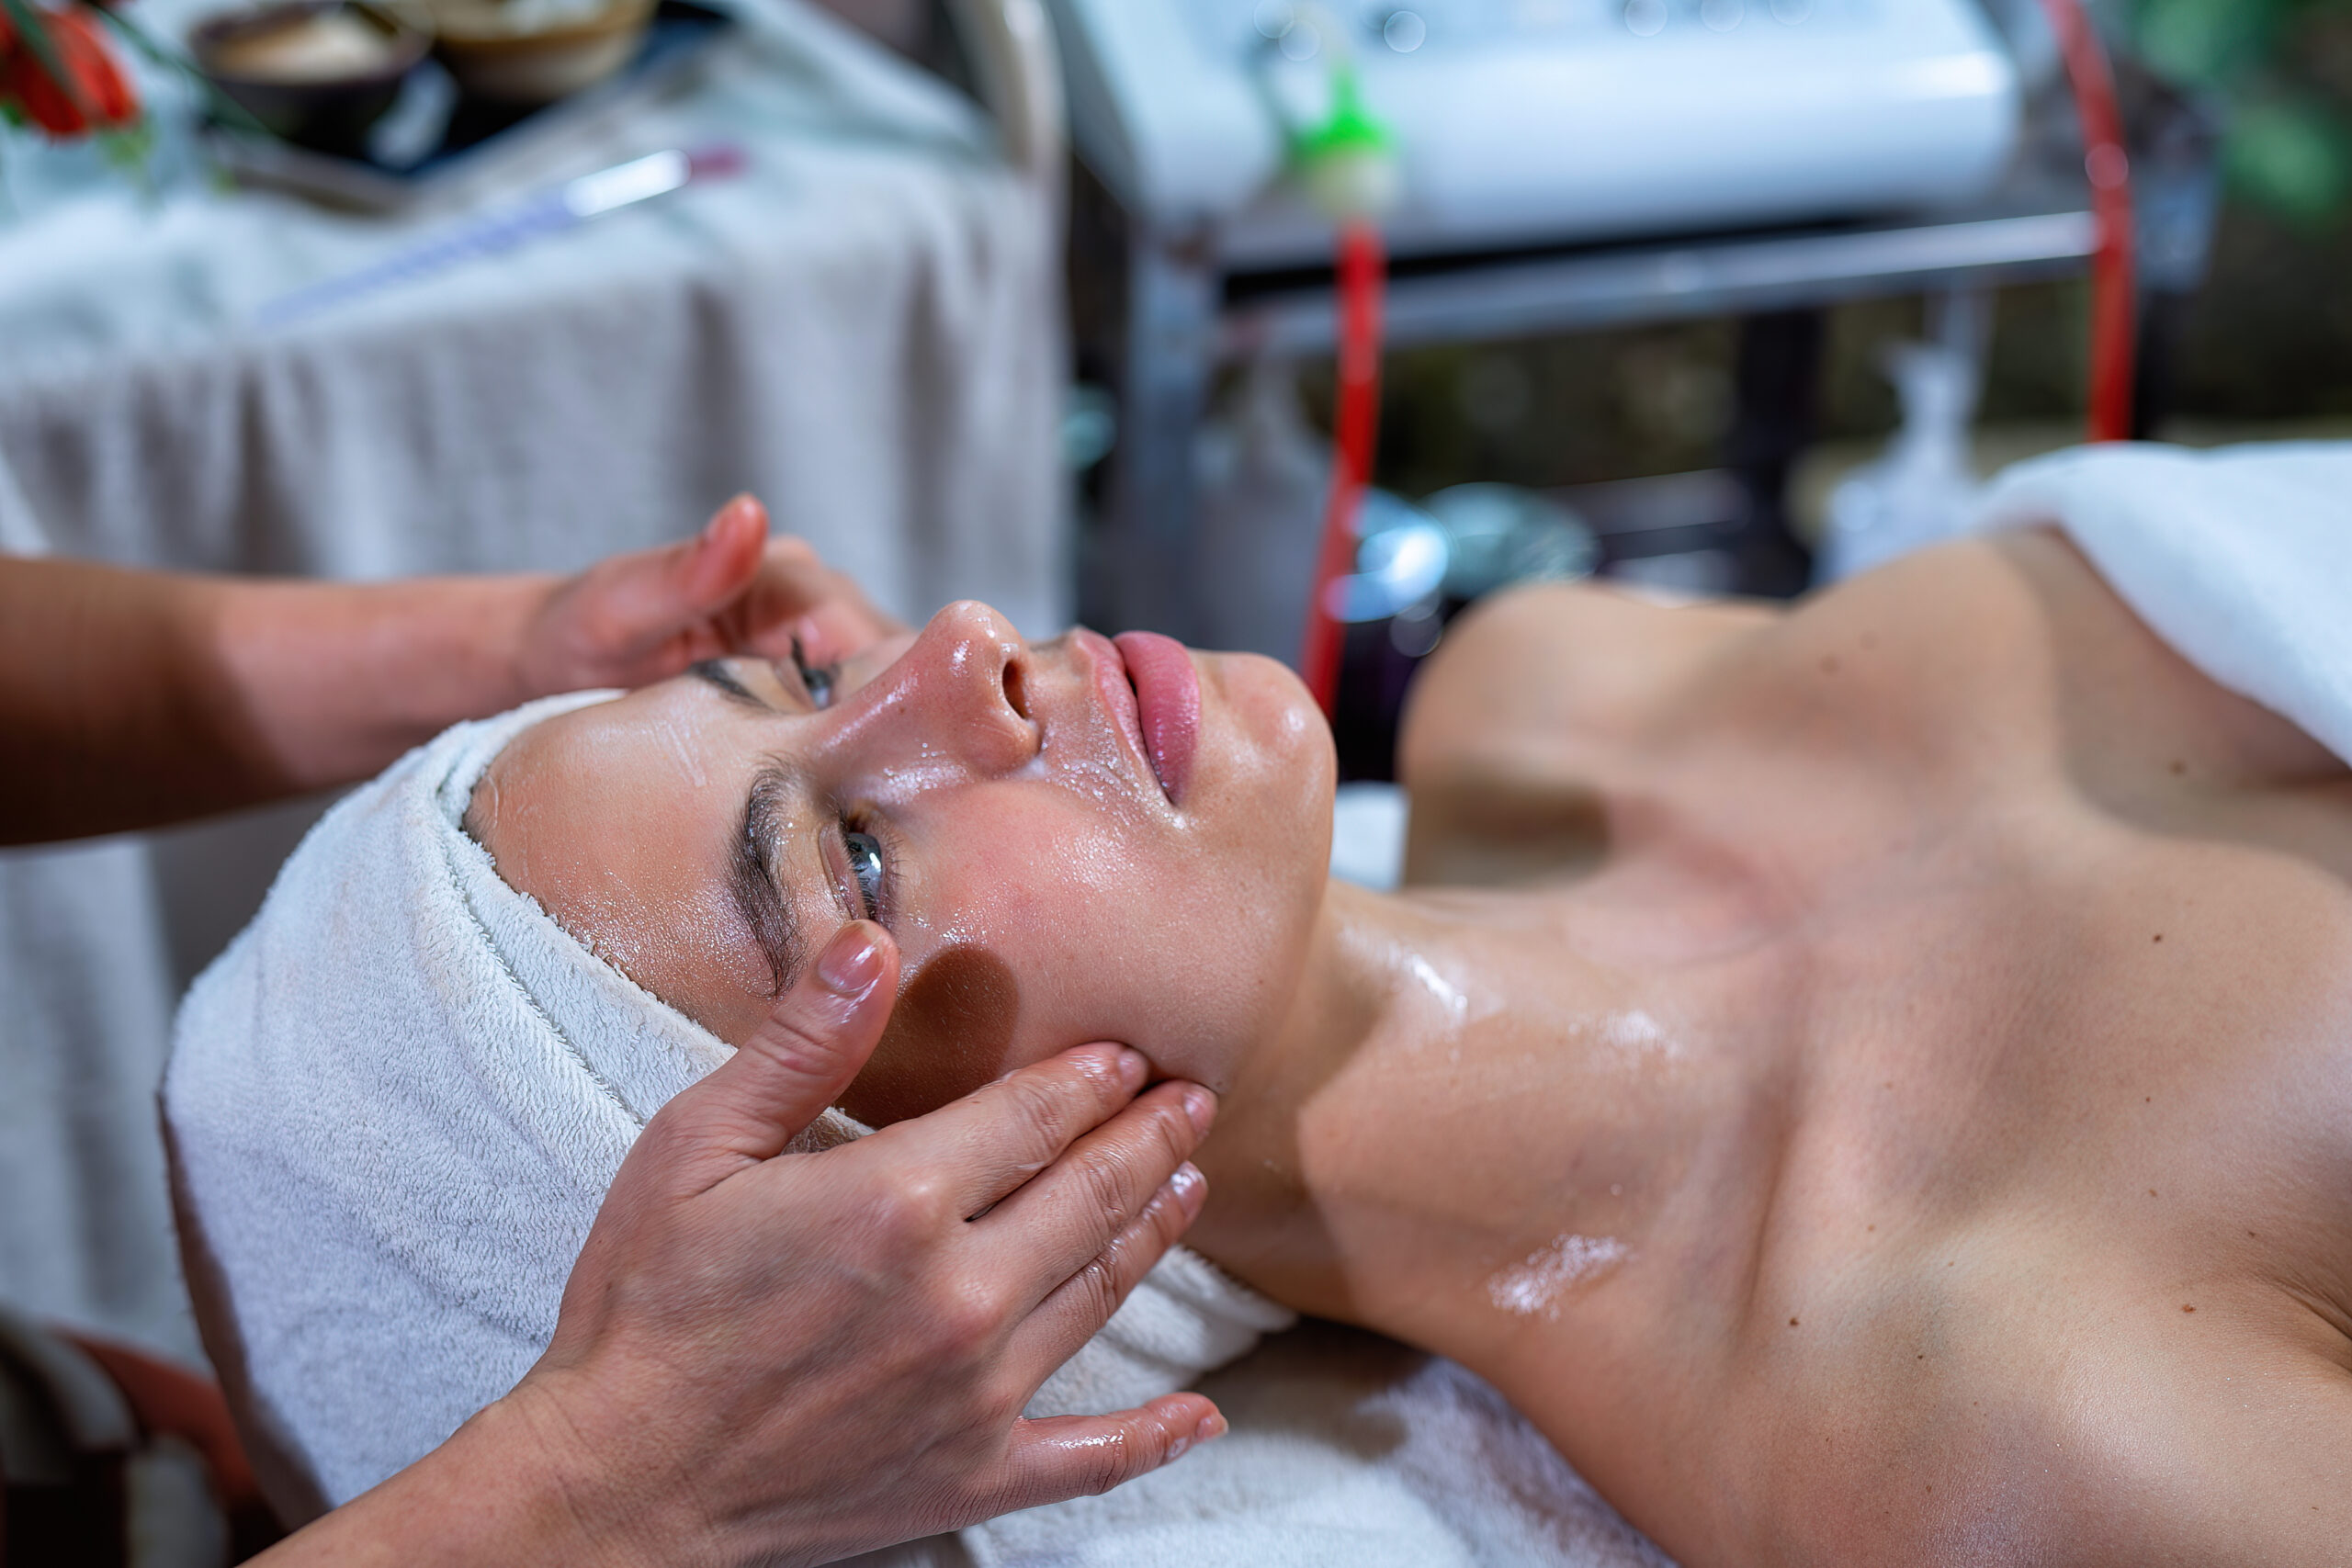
(1281, 768)
(1253, 682)
(1275, 711)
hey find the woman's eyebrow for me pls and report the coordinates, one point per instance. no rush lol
(715, 672)
(752, 876)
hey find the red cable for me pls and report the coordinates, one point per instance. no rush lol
(2115, 269)
(1363, 274)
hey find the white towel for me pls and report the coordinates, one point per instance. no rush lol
(1347, 1451)
(394, 1105)
(2241, 559)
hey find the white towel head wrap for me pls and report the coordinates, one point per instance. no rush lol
(395, 1103)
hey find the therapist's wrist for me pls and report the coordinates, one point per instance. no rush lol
(520, 1484)
(497, 1495)
(589, 1496)
(560, 1495)
(515, 639)
(586, 1481)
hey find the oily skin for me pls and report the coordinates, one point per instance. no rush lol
(1039, 876)
(1792, 1108)
(1984, 1193)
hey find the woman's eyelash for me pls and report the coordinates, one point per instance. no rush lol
(818, 681)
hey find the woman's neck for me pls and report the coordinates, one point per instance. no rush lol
(1474, 1097)
(1300, 1159)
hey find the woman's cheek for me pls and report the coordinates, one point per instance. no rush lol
(953, 1029)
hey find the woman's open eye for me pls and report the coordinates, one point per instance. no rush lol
(866, 869)
(818, 681)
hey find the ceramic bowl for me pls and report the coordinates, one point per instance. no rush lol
(316, 73)
(534, 52)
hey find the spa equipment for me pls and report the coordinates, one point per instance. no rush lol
(1544, 124)
(1348, 168)
(1570, 164)
(1345, 165)
(1923, 488)
(2107, 164)
(1545, 120)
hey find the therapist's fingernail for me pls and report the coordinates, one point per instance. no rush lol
(852, 962)
(710, 530)
(1211, 1429)
(1190, 1188)
(1200, 1105)
(1133, 1068)
(809, 633)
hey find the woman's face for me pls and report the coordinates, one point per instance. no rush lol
(1072, 842)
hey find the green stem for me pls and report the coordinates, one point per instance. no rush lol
(217, 103)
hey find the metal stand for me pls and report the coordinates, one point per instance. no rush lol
(1779, 382)
(1144, 575)
(1186, 317)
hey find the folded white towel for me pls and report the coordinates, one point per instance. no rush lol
(1347, 1451)
(394, 1105)
(2241, 559)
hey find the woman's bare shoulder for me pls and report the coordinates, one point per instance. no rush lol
(1510, 724)
(1557, 658)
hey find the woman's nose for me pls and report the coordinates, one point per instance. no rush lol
(963, 693)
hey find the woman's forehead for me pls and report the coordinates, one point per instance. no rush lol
(683, 725)
(618, 818)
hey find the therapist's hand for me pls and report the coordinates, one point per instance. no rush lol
(792, 1357)
(634, 619)
(788, 1358)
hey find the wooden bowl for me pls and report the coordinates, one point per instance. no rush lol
(522, 53)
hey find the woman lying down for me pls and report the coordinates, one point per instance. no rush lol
(1869, 1082)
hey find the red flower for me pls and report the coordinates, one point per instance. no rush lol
(100, 98)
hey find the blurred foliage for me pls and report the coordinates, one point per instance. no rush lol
(2284, 70)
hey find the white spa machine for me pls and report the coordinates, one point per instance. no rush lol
(1544, 121)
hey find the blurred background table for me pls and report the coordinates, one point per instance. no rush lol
(863, 328)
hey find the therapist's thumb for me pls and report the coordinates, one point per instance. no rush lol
(813, 1043)
(708, 570)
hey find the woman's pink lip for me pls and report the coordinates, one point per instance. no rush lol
(1167, 695)
(1117, 688)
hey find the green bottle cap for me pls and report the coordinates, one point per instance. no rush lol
(1347, 163)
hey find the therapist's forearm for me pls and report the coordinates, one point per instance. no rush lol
(129, 699)
(484, 1497)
